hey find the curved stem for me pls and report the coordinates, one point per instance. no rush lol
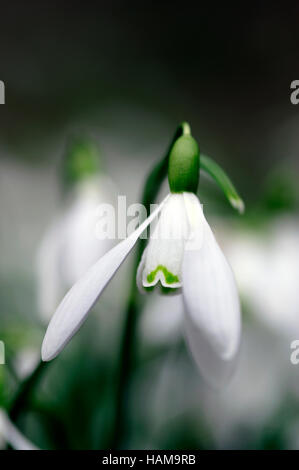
(127, 355)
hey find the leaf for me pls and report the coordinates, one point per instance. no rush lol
(221, 178)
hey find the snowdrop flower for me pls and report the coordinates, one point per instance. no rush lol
(182, 256)
(70, 245)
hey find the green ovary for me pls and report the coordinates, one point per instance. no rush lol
(169, 277)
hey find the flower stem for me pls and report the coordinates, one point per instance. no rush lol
(127, 363)
(25, 391)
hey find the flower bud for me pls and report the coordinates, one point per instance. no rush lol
(81, 161)
(183, 166)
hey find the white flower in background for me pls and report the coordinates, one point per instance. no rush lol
(25, 361)
(71, 246)
(182, 255)
(11, 435)
(267, 267)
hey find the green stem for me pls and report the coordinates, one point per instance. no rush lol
(121, 431)
(26, 390)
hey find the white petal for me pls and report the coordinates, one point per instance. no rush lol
(77, 303)
(212, 305)
(163, 257)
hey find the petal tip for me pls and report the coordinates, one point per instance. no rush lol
(238, 204)
(47, 352)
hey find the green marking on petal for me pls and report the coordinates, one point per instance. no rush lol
(164, 290)
(168, 290)
(169, 277)
(149, 288)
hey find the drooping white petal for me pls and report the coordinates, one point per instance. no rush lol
(163, 257)
(77, 303)
(211, 301)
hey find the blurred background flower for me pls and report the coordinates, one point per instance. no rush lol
(70, 245)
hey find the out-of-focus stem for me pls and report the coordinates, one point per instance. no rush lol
(121, 428)
(25, 390)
